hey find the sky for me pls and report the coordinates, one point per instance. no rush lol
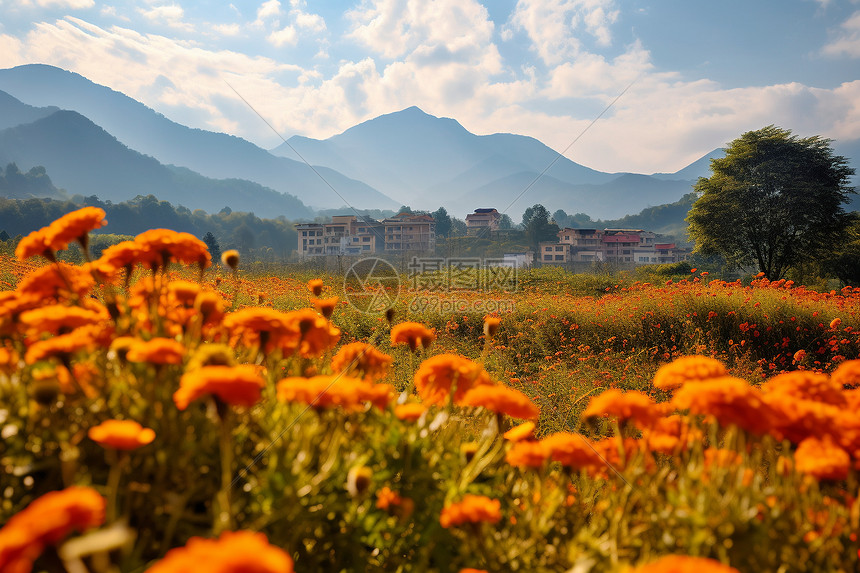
(673, 79)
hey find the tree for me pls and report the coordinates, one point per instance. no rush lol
(537, 225)
(773, 201)
(443, 222)
(212, 244)
(505, 222)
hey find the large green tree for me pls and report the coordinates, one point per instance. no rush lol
(772, 202)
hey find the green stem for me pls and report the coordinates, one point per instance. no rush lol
(223, 513)
(117, 462)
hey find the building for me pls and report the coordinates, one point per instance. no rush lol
(310, 239)
(482, 222)
(552, 253)
(586, 245)
(344, 235)
(620, 246)
(406, 232)
(519, 260)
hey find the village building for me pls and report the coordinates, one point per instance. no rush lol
(482, 222)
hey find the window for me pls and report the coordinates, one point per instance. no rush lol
(626, 252)
(547, 257)
(365, 239)
(304, 242)
(559, 248)
(559, 257)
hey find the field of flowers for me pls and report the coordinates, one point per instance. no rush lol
(162, 413)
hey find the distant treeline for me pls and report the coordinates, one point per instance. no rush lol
(265, 239)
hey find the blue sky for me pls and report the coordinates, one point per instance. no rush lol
(701, 73)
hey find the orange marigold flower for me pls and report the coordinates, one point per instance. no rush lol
(806, 385)
(74, 226)
(321, 392)
(56, 281)
(687, 369)
(36, 243)
(572, 450)
(630, 405)
(121, 434)
(387, 499)
(795, 418)
(525, 431)
(160, 246)
(210, 306)
(121, 255)
(361, 360)
(235, 385)
(470, 570)
(157, 351)
(835, 323)
(684, 564)
(528, 454)
(441, 376)
(409, 412)
(730, 400)
(84, 338)
(315, 286)
(325, 306)
(413, 334)
(58, 317)
(822, 458)
(316, 333)
(47, 521)
(670, 434)
(230, 258)
(233, 552)
(472, 509)
(799, 356)
(491, 325)
(502, 400)
(184, 292)
(847, 375)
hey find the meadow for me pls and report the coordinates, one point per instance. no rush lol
(164, 412)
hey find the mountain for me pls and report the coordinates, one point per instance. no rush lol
(211, 154)
(699, 168)
(427, 161)
(13, 112)
(84, 159)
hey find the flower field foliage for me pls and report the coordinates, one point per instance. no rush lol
(161, 413)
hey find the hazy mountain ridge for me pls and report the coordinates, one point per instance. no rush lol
(84, 159)
(211, 154)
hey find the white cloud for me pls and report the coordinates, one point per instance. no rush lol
(591, 74)
(554, 26)
(313, 22)
(847, 41)
(12, 50)
(69, 4)
(227, 29)
(284, 36)
(168, 15)
(453, 30)
(269, 9)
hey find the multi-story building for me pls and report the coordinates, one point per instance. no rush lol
(310, 239)
(344, 235)
(482, 222)
(622, 246)
(406, 232)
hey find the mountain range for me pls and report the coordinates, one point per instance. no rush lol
(105, 140)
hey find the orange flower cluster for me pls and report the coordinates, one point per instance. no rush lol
(232, 552)
(361, 360)
(47, 521)
(445, 375)
(688, 369)
(684, 564)
(501, 400)
(471, 509)
(121, 434)
(73, 226)
(235, 385)
(632, 405)
(156, 351)
(324, 392)
(413, 334)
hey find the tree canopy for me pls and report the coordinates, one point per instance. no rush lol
(772, 202)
